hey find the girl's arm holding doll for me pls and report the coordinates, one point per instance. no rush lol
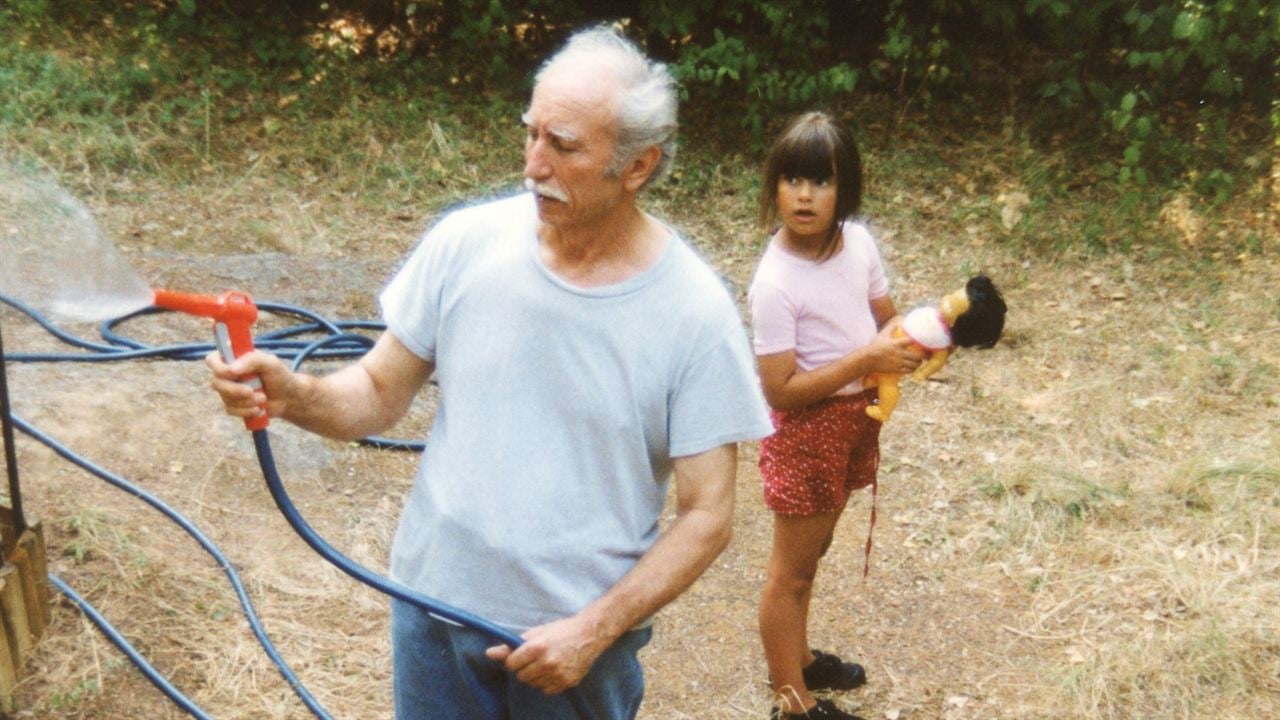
(788, 388)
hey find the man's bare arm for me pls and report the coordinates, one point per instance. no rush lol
(361, 399)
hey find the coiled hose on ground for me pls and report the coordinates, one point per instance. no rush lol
(339, 340)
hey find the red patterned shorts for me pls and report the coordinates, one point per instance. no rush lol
(818, 454)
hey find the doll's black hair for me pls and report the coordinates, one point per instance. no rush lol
(982, 324)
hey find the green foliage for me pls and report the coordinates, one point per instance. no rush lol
(728, 70)
(74, 698)
(779, 56)
(1159, 86)
(1164, 77)
(915, 50)
(1163, 81)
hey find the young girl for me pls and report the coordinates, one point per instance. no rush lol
(822, 320)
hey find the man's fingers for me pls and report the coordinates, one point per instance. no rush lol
(216, 365)
(238, 399)
(517, 661)
(232, 388)
(241, 367)
(521, 658)
(241, 401)
(529, 665)
(542, 678)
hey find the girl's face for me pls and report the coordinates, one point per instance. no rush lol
(807, 208)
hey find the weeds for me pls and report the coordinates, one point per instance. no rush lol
(70, 701)
(1162, 597)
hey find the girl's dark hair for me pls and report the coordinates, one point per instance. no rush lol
(816, 147)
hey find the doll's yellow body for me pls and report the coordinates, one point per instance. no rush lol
(951, 307)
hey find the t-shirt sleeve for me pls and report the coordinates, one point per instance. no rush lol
(877, 281)
(773, 319)
(411, 301)
(718, 399)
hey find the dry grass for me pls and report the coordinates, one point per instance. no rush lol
(1083, 522)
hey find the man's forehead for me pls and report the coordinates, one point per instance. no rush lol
(566, 129)
(568, 104)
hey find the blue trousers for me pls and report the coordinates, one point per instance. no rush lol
(440, 672)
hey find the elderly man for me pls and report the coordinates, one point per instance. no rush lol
(584, 354)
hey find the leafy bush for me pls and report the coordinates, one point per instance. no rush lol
(1160, 82)
(1163, 77)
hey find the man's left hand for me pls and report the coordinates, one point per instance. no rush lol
(554, 657)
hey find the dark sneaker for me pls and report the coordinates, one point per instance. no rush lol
(828, 672)
(824, 710)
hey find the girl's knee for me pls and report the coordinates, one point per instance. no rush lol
(789, 584)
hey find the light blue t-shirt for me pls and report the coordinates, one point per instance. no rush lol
(560, 411)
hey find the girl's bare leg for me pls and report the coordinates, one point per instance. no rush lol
(798, 543)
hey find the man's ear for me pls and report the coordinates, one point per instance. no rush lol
(639, 169)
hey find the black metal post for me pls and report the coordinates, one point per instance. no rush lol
(10, 452)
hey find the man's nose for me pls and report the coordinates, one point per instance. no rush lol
(535, 160)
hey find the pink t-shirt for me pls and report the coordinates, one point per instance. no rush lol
(822, 310)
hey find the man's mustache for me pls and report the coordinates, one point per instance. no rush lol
(545, 190)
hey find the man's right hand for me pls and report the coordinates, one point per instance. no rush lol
(279, 384)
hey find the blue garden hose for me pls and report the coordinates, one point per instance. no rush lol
(339, 343)
(387, 586)
(157, 679)
(354, 569)
(119, 347)
(114, 636)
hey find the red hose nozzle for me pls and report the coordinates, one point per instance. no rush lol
(230, 306)
(233, 315)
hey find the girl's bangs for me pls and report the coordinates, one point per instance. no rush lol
(808, 155)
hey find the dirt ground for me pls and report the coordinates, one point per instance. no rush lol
(945, 631)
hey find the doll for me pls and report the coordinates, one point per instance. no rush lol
(972, 316)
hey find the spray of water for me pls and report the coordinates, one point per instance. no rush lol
(54, 257)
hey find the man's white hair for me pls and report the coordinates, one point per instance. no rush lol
(644, 107)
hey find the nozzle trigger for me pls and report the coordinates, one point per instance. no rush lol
(227, 349)
(222, 335)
